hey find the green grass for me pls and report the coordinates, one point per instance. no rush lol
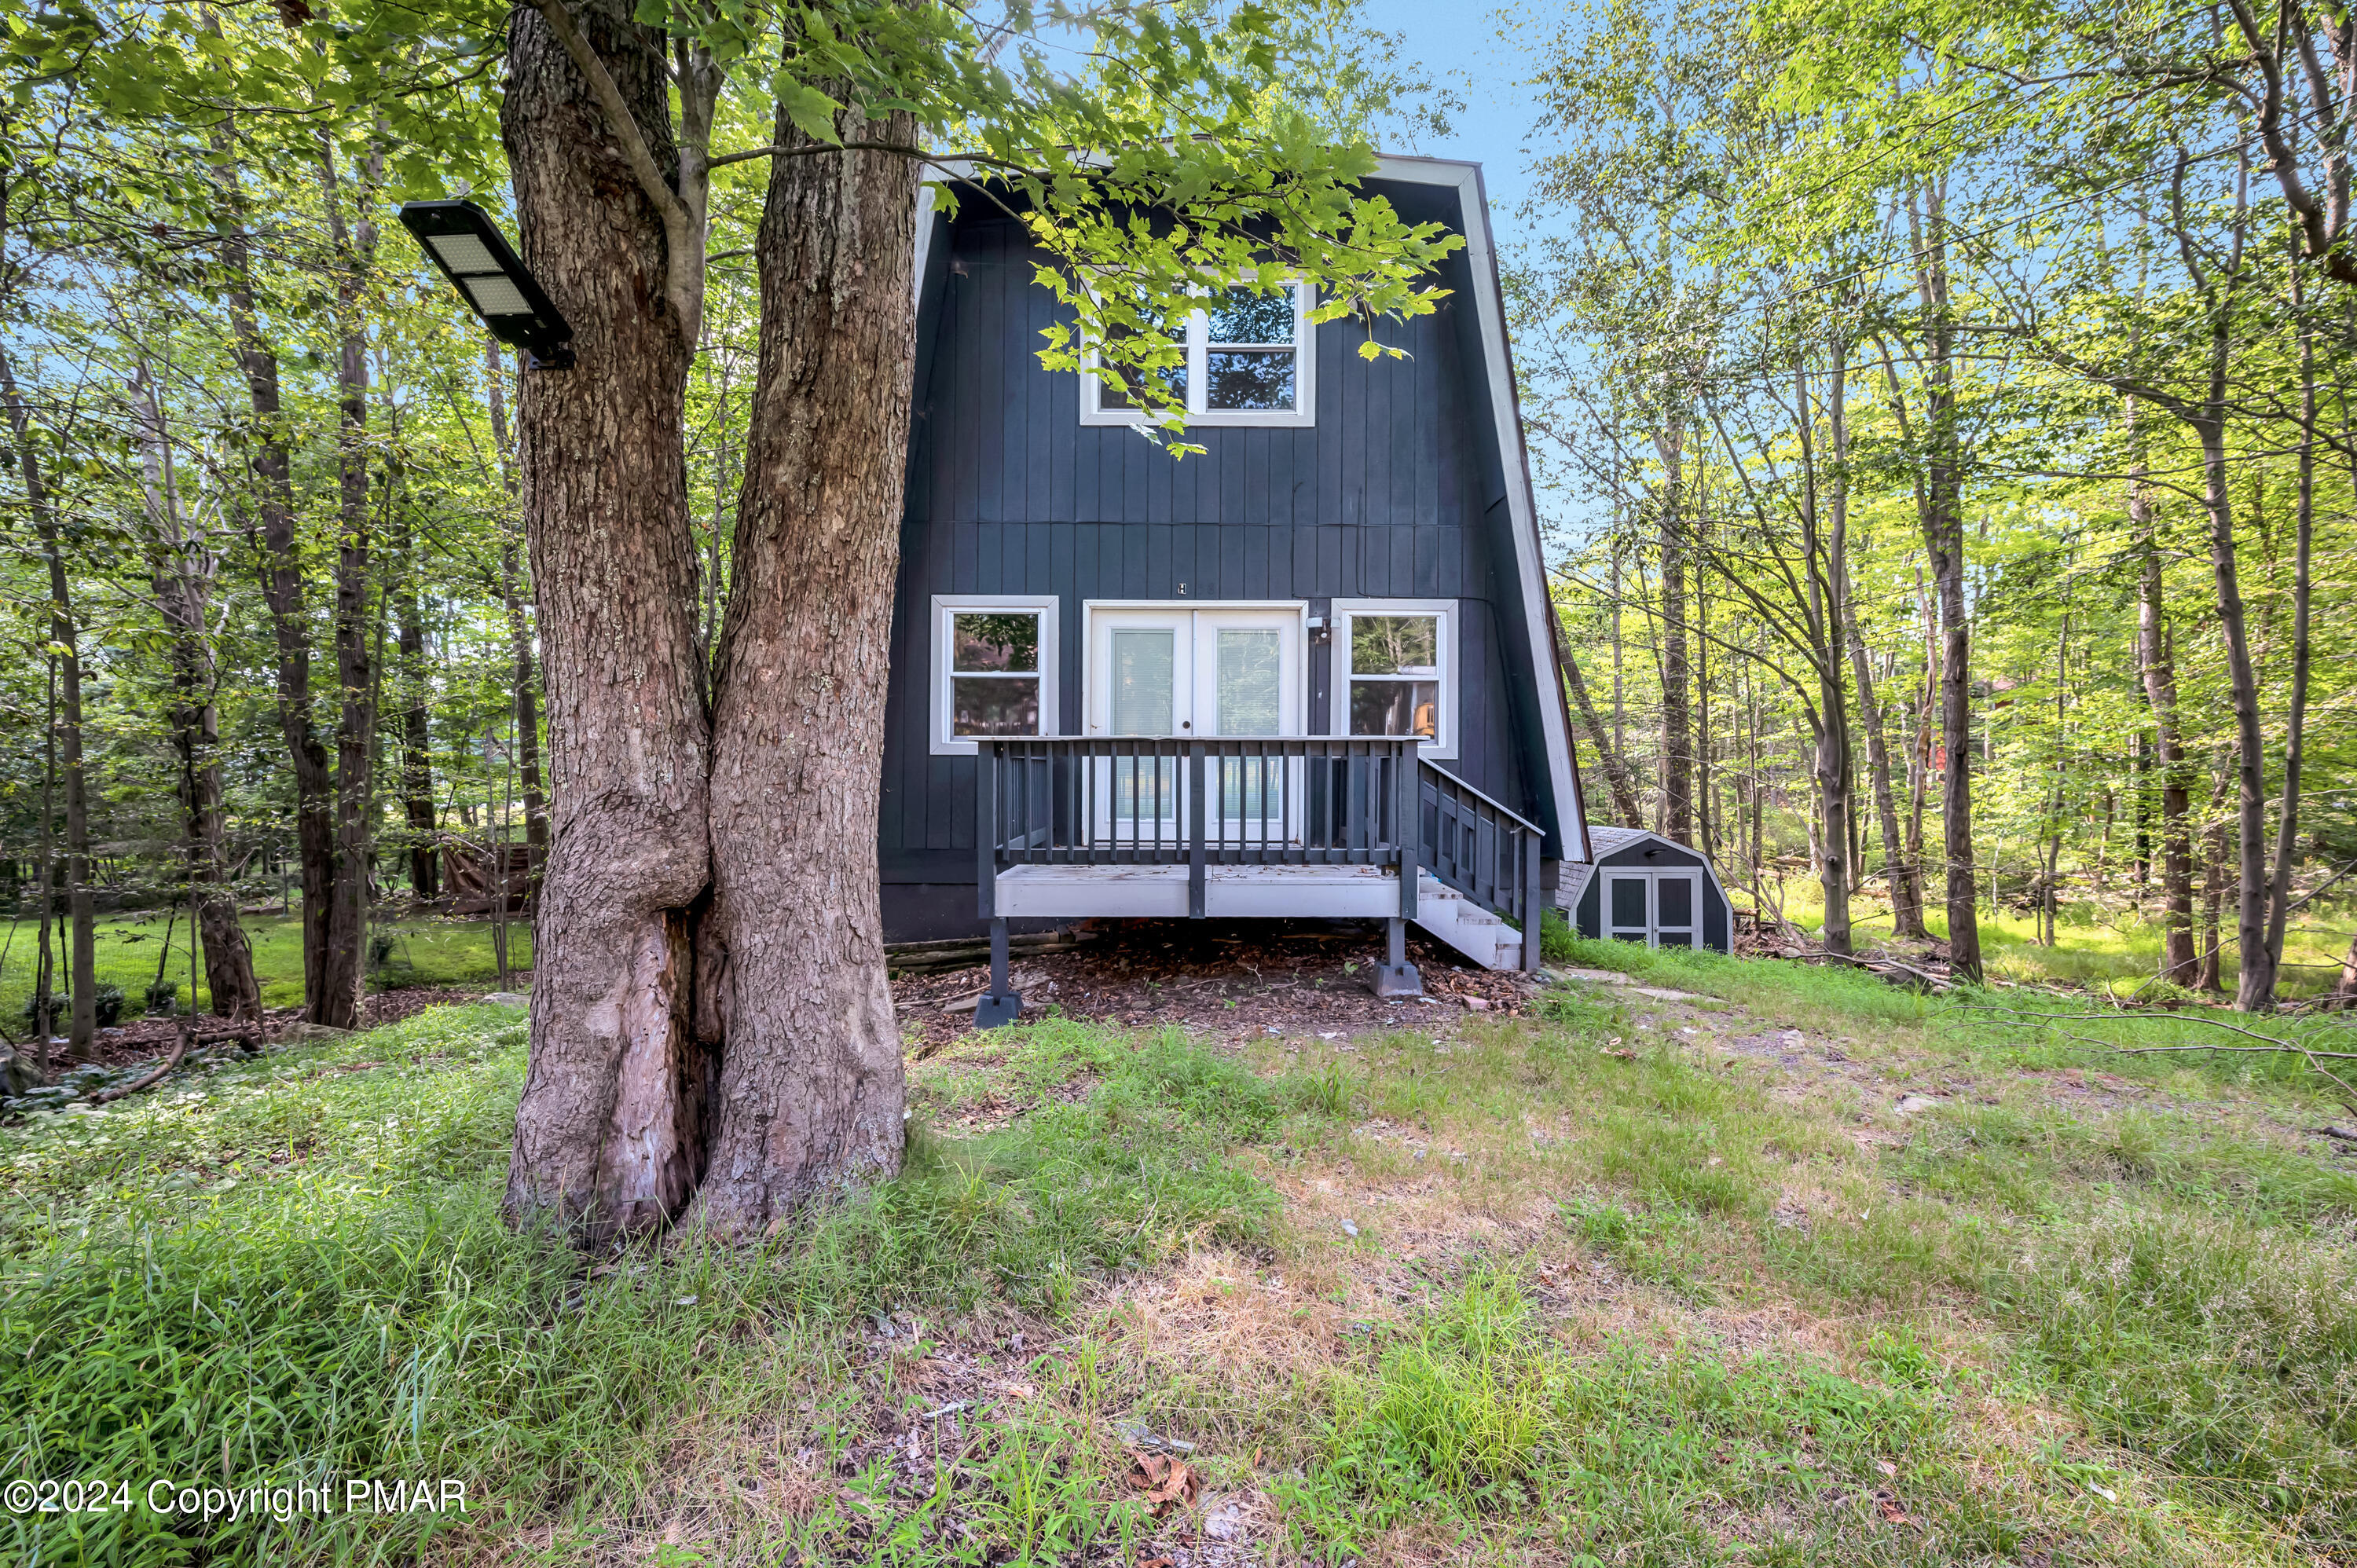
(1615, 1293)
(424, 952)
(2120, 957)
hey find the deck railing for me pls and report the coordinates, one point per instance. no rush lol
(1196, 801)
(1200, 801)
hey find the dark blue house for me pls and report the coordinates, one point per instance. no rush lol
(1263, 681)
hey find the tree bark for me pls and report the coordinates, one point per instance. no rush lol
(610, 1134)
(82, 1030)
(416, 731)
(2208, 973)
(812, 1089)
(1677, 724)
(2157, 653)
(1616, 768)
(346, 936)
(185, 568)
(2296, 721)
(527, 680)
(279, 568)
(1826, 562)
(1943, 541)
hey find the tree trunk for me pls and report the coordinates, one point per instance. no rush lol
(347, 935)
(1943, 541)
(811, 1092)
(1828, 569)
(2208, 973)
(45, 1011)
(81, 1031)
(610, 1134)
(2256, 991)
(1616, 769)
(1677, 724)
(185, 568)
(416, 733)
(2296, 721)
(2156, 652)
(280, 570)
(527, 680)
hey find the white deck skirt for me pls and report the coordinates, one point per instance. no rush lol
(1159, 891)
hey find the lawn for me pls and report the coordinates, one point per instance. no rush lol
(1791, 1268)
(130, 947)
(2120, 957)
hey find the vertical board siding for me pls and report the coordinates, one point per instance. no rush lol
(1387, 496)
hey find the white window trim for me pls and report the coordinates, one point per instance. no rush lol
(1443, 747)
(946, 606)
(1301, 416)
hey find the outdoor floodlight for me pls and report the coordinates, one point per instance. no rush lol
(467, 245)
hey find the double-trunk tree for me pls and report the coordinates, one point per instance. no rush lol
(710, 1016)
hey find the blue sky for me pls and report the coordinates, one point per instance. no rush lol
(1461, 45)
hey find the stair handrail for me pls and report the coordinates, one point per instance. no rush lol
(1520, 894)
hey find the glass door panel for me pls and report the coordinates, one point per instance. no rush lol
(1249, 678)
(1141, 666)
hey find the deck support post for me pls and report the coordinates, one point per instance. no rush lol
(1002, 1004)
(1395, 977)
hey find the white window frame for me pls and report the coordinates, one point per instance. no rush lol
(946, 607)
(1301, 416)
(1443, 747)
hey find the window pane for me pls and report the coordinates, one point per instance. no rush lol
(1172, 376)
(1249, 678)
(995, 704)
(1628, 901)
(1674, 902)
(1249, 378)
(1008, 643)
(1145, 672)
(1395, 707)
(1394, 645)
(1240, 316)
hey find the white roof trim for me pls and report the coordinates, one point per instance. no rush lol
(1490, 309)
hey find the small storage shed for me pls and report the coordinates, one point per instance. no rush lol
(1646, 888)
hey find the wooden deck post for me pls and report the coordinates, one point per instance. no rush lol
(1196, 858)
(1002, 1004)
(1533, 905)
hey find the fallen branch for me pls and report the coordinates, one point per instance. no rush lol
(2348, 1095)
(125, 1091)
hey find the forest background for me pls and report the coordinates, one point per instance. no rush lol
(1905, 387)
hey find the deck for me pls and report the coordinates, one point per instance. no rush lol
(1202, 827)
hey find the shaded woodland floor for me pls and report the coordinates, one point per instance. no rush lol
(1741, 1263)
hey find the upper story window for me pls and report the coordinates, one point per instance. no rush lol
(1395, 670)
(1245, 359)
(994, 669)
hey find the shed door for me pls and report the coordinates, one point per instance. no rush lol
(1658, 909)
(1629, 905)
(1677, 908)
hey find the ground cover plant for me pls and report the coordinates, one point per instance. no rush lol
(1663, 1276)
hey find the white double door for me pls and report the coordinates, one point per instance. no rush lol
(1196, 673)
(1660, 908)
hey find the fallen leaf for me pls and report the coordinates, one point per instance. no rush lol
(1885, 1466)
(1021, 1391)
(1168, 1483)
(1891, 1512)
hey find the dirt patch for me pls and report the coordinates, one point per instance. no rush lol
(1233, 979)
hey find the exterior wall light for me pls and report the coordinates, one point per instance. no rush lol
(467, 245)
